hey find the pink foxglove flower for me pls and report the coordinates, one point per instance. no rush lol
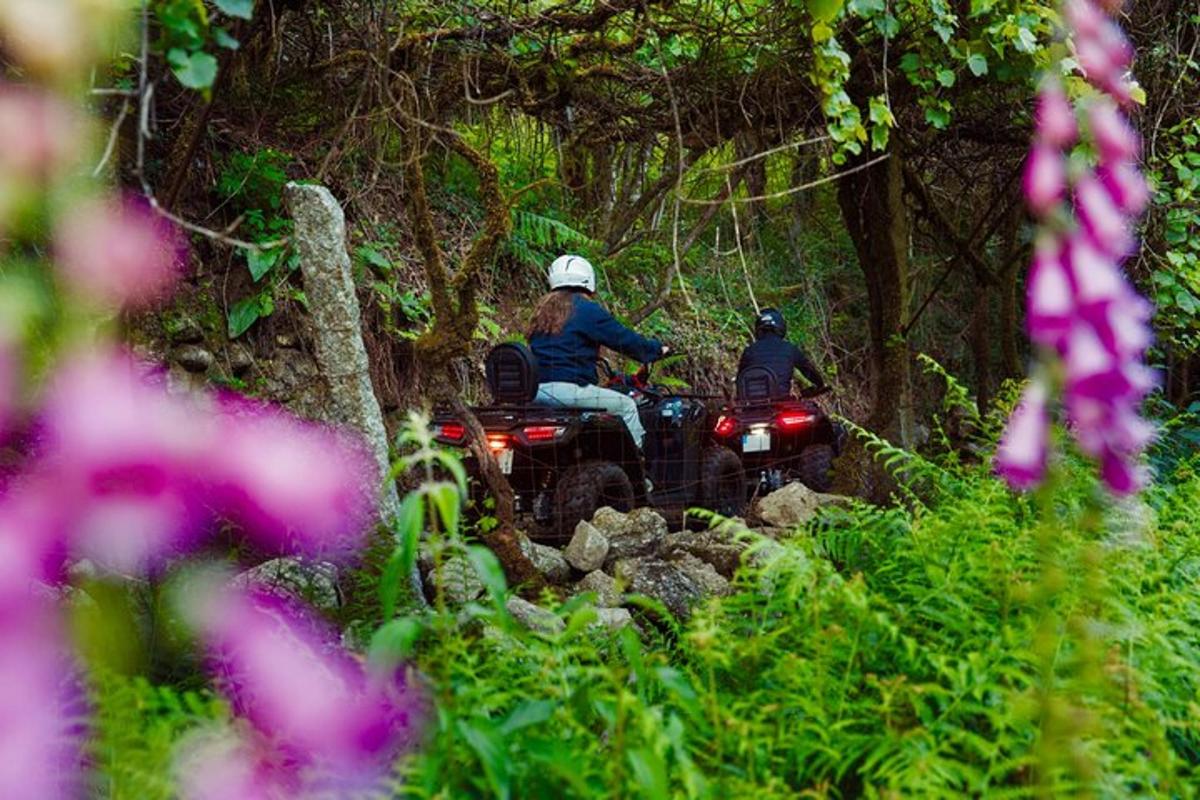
(117, 254)
(1021, 456)
(285, 673)
(1115, 140)
(42, 707)
(9, 374)
(1055, 119)
(123, 456)
(39, 133)
(1050, 301)
(1101, 218)
(296, 487)
(1126, 187)
(1079, 303)
(222, 764)
(1045, 178)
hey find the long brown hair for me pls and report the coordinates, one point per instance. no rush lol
(552, 312)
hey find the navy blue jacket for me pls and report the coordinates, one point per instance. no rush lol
(570, 356)
(781, 357)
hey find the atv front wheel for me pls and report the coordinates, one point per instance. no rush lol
(587, 487)
(722, 482)
(814, 466)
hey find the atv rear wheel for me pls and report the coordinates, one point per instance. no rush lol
(587, 487)
(722, 482)
(814, 466)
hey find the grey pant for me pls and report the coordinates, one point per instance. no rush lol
(569, 395)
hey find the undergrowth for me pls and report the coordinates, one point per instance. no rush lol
(972, 643)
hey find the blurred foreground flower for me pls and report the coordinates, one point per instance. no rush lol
(1079, 302)
(295, 486)
(41, 135)
(43, 709)
(58, 37)
(140, 475)
(117, 253)
(335, 725)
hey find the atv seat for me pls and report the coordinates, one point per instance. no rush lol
(756, 385)
(512, 374)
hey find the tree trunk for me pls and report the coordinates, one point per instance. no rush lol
(872, 205)
(981, 346)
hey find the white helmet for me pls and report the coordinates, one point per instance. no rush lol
(568, 271)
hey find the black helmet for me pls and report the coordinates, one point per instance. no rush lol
(770, 321)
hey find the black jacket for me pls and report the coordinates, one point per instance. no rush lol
(781, 357)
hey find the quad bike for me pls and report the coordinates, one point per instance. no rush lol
(780, 440)
(565, 463)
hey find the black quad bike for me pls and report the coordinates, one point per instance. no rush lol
(565, 463)
(780, 440)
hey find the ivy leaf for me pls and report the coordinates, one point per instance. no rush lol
(195, 70)
(910, 62)
(824, 10)
(945, 77)
(261, 261)
(1026, 42)
(243, 9)
(243, 314)
(866, 8)
(937, 117)
(977, 63)
(223, 39)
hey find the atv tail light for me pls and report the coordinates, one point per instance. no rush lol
(450, 431)
(796, 419)
(725, 426)
(498, 441)
(543, 433)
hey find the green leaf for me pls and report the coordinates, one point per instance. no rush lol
(651, 772)
(261, 261)
(1026, 42)
(394, 641)
(489, 746)
(824, 10)
(373, 257)
(242, 315)
(446, 500)
(487, 567)
(409, 522)
(195, 70)
(531, 712)
(223, 39)
(945, 77)
(243, 9)
(937, 117)
(977, 63)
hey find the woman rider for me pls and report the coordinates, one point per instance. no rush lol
(565, 336)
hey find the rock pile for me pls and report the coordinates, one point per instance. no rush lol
(617, 554)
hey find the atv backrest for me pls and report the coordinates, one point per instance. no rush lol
(756, 385)
(512, 373)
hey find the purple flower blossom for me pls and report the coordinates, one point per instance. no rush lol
(1115, 140)
(40, 135)
(42, 706)
(222, 764)
(122, 455)
(1055, 119)
(1021, 455)
(1045, 178)
(297, 487)
(1079, 303)
(336, 725)
(117, 254)
(9, 373)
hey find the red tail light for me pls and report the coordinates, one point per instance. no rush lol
(543, 433)
(794, 419)
(725, 426)
(498, 441)
(451, 431)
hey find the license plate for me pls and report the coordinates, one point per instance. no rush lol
(505, 459)
(756, 441)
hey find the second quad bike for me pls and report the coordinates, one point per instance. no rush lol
(565, 463)
(780, 440)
